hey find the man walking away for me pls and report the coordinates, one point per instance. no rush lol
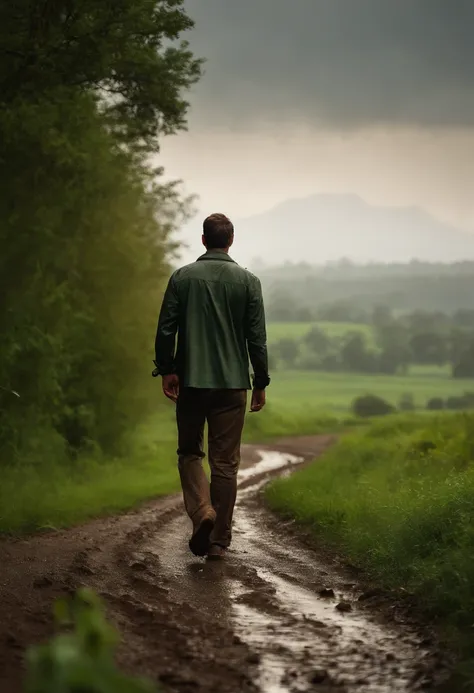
(216, 309)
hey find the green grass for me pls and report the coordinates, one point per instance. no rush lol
(333, 392)
(51, 494)
(56, 494)
(297, 330)
(398, 499)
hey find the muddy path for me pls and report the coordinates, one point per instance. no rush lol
(276, 616)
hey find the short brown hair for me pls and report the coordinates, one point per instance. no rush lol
(218, 231)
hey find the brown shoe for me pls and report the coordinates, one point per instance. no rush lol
(216, 552)
(199, 542)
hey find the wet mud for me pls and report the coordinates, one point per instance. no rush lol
(278, 615)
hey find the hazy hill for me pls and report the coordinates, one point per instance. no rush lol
(325, 228)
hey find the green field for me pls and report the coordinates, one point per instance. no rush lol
(398, 500)
(297, 330)
(334, 392)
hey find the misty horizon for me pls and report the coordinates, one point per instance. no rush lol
(324, 229)
(369, 98)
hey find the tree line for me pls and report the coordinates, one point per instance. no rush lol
(87, 90)
(350, 293)
(389, 344)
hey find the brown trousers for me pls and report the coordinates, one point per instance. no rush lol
(224, 411)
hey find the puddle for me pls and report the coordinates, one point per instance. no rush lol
(306, 630)
(267, 590)
(270, 461)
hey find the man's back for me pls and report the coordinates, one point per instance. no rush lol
(220, 319)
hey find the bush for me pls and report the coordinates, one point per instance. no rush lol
(469, 399)
(464, 368)
(371, 405)
(456, 403)
(435, 404)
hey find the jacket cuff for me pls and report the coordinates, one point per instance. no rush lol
(260, 382)
(162, 370)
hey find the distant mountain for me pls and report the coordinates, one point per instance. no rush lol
(326, 228)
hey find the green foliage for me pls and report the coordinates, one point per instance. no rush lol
(278, 421)
(123, 53)
(461, 402)
(317, 340)
(48, 494)
(464, 364)
(282, 307)
(348, 292)
(398, 498)
(81, 657)
(354, 355)
(371, 405)
(300, 331)
(435, 404)
(316, 391)
(387, 344)
(86, 224)
(41, 496)
(286, 351)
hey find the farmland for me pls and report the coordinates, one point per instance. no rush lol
(332, 392)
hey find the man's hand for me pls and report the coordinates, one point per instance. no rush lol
(171, 387)
(258, 400)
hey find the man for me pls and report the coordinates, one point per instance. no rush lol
(216, 309)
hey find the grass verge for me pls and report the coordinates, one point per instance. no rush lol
(398, 499)
(58, 493)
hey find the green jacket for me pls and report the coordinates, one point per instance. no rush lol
(216, 309)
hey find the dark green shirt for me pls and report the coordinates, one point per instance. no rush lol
(216, 309)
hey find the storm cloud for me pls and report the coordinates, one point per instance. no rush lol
(337, 64)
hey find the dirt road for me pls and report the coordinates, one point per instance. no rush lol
(276, 616)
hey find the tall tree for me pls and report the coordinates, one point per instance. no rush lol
(86, 90)
(123, 51)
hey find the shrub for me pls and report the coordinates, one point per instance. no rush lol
(464, 368)
(456, 403)
(371, 405)
(435, 404)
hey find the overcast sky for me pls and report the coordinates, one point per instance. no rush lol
(373, 97)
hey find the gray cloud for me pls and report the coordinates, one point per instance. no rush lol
(334, 63)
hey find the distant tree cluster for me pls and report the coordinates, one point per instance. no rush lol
(455, 402)
(349, 293)
(418, 338)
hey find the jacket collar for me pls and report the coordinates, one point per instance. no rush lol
(216, 255)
